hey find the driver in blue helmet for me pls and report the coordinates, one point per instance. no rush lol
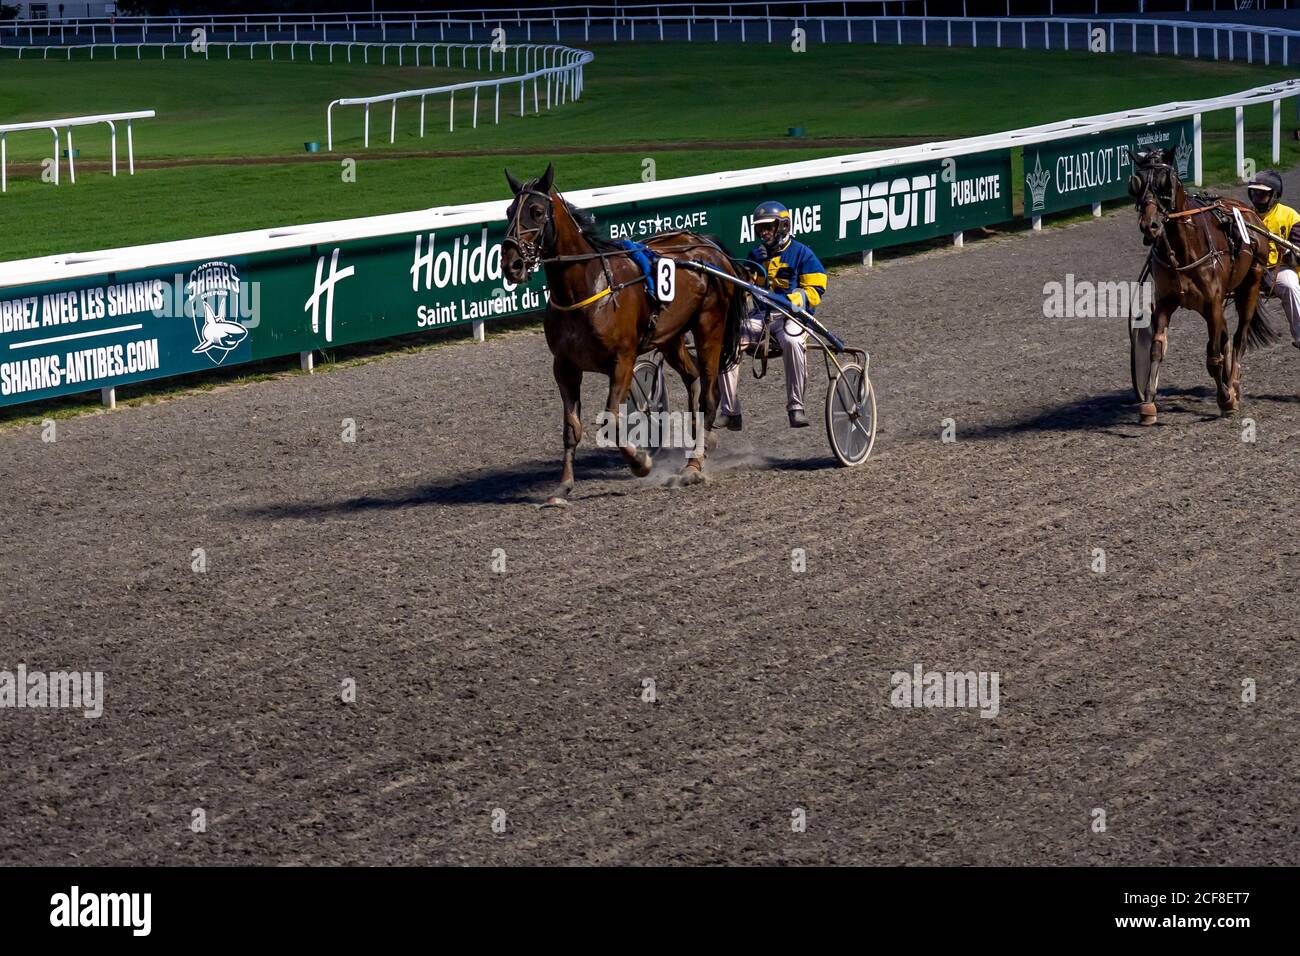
(790, 271)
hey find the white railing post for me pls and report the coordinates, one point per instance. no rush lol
(1277, 130)
(1199, 160)
(1241, 143)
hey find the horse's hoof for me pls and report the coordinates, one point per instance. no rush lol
(642, 465)
(710, 441)
(555, 501)
(1147, 413)
(691, 476)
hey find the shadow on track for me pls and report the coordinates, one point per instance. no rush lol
(523, 484)
(1099, 413)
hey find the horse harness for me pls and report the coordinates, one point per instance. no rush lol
(532, 251)
(1207, 205)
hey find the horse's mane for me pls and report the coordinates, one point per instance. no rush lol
(586, 221)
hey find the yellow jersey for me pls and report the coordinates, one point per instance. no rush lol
(1279, 220)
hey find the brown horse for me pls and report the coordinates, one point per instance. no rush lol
(1199, 260)
(600, 315)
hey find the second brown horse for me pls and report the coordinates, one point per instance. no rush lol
(1198, 260)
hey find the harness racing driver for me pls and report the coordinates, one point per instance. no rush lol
(1265, 191)
(795, 274)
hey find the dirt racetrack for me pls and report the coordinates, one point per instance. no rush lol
(523, 691)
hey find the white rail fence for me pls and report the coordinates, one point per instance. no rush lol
(481, 17)
(555, 71)
(533, 55)
(68, 123)
(563, 82)
(747, 21)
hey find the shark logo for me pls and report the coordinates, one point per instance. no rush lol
(210, 290)
(217, 333)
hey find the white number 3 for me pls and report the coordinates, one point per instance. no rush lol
(665, 279)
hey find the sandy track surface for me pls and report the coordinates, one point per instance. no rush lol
(523, 690)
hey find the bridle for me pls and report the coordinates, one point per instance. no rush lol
(531, 246)
(1149, 196)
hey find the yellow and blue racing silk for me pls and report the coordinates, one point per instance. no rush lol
(794, 271)
(1280, 221)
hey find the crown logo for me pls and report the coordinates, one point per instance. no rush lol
(1183, 155)
(1037, 182)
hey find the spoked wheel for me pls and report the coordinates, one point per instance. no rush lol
(851, 415)
(647, 393)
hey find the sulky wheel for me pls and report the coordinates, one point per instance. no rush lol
(647, 393)
(851, 415)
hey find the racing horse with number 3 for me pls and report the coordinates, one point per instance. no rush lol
(601, 316)
(1201, 255)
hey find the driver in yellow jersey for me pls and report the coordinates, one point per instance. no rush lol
(1265, 192)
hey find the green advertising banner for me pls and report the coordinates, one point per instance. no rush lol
(843, 214)
(114, 329)
(1069, 173)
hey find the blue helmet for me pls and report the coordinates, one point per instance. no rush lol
(775, 213)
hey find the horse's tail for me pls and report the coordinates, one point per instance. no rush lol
(1261, 333)
(731, 335)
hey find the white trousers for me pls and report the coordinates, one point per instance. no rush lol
(793, 341)
(1286, 287)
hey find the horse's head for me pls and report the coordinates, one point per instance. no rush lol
(530, 234)
(1153, 186)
